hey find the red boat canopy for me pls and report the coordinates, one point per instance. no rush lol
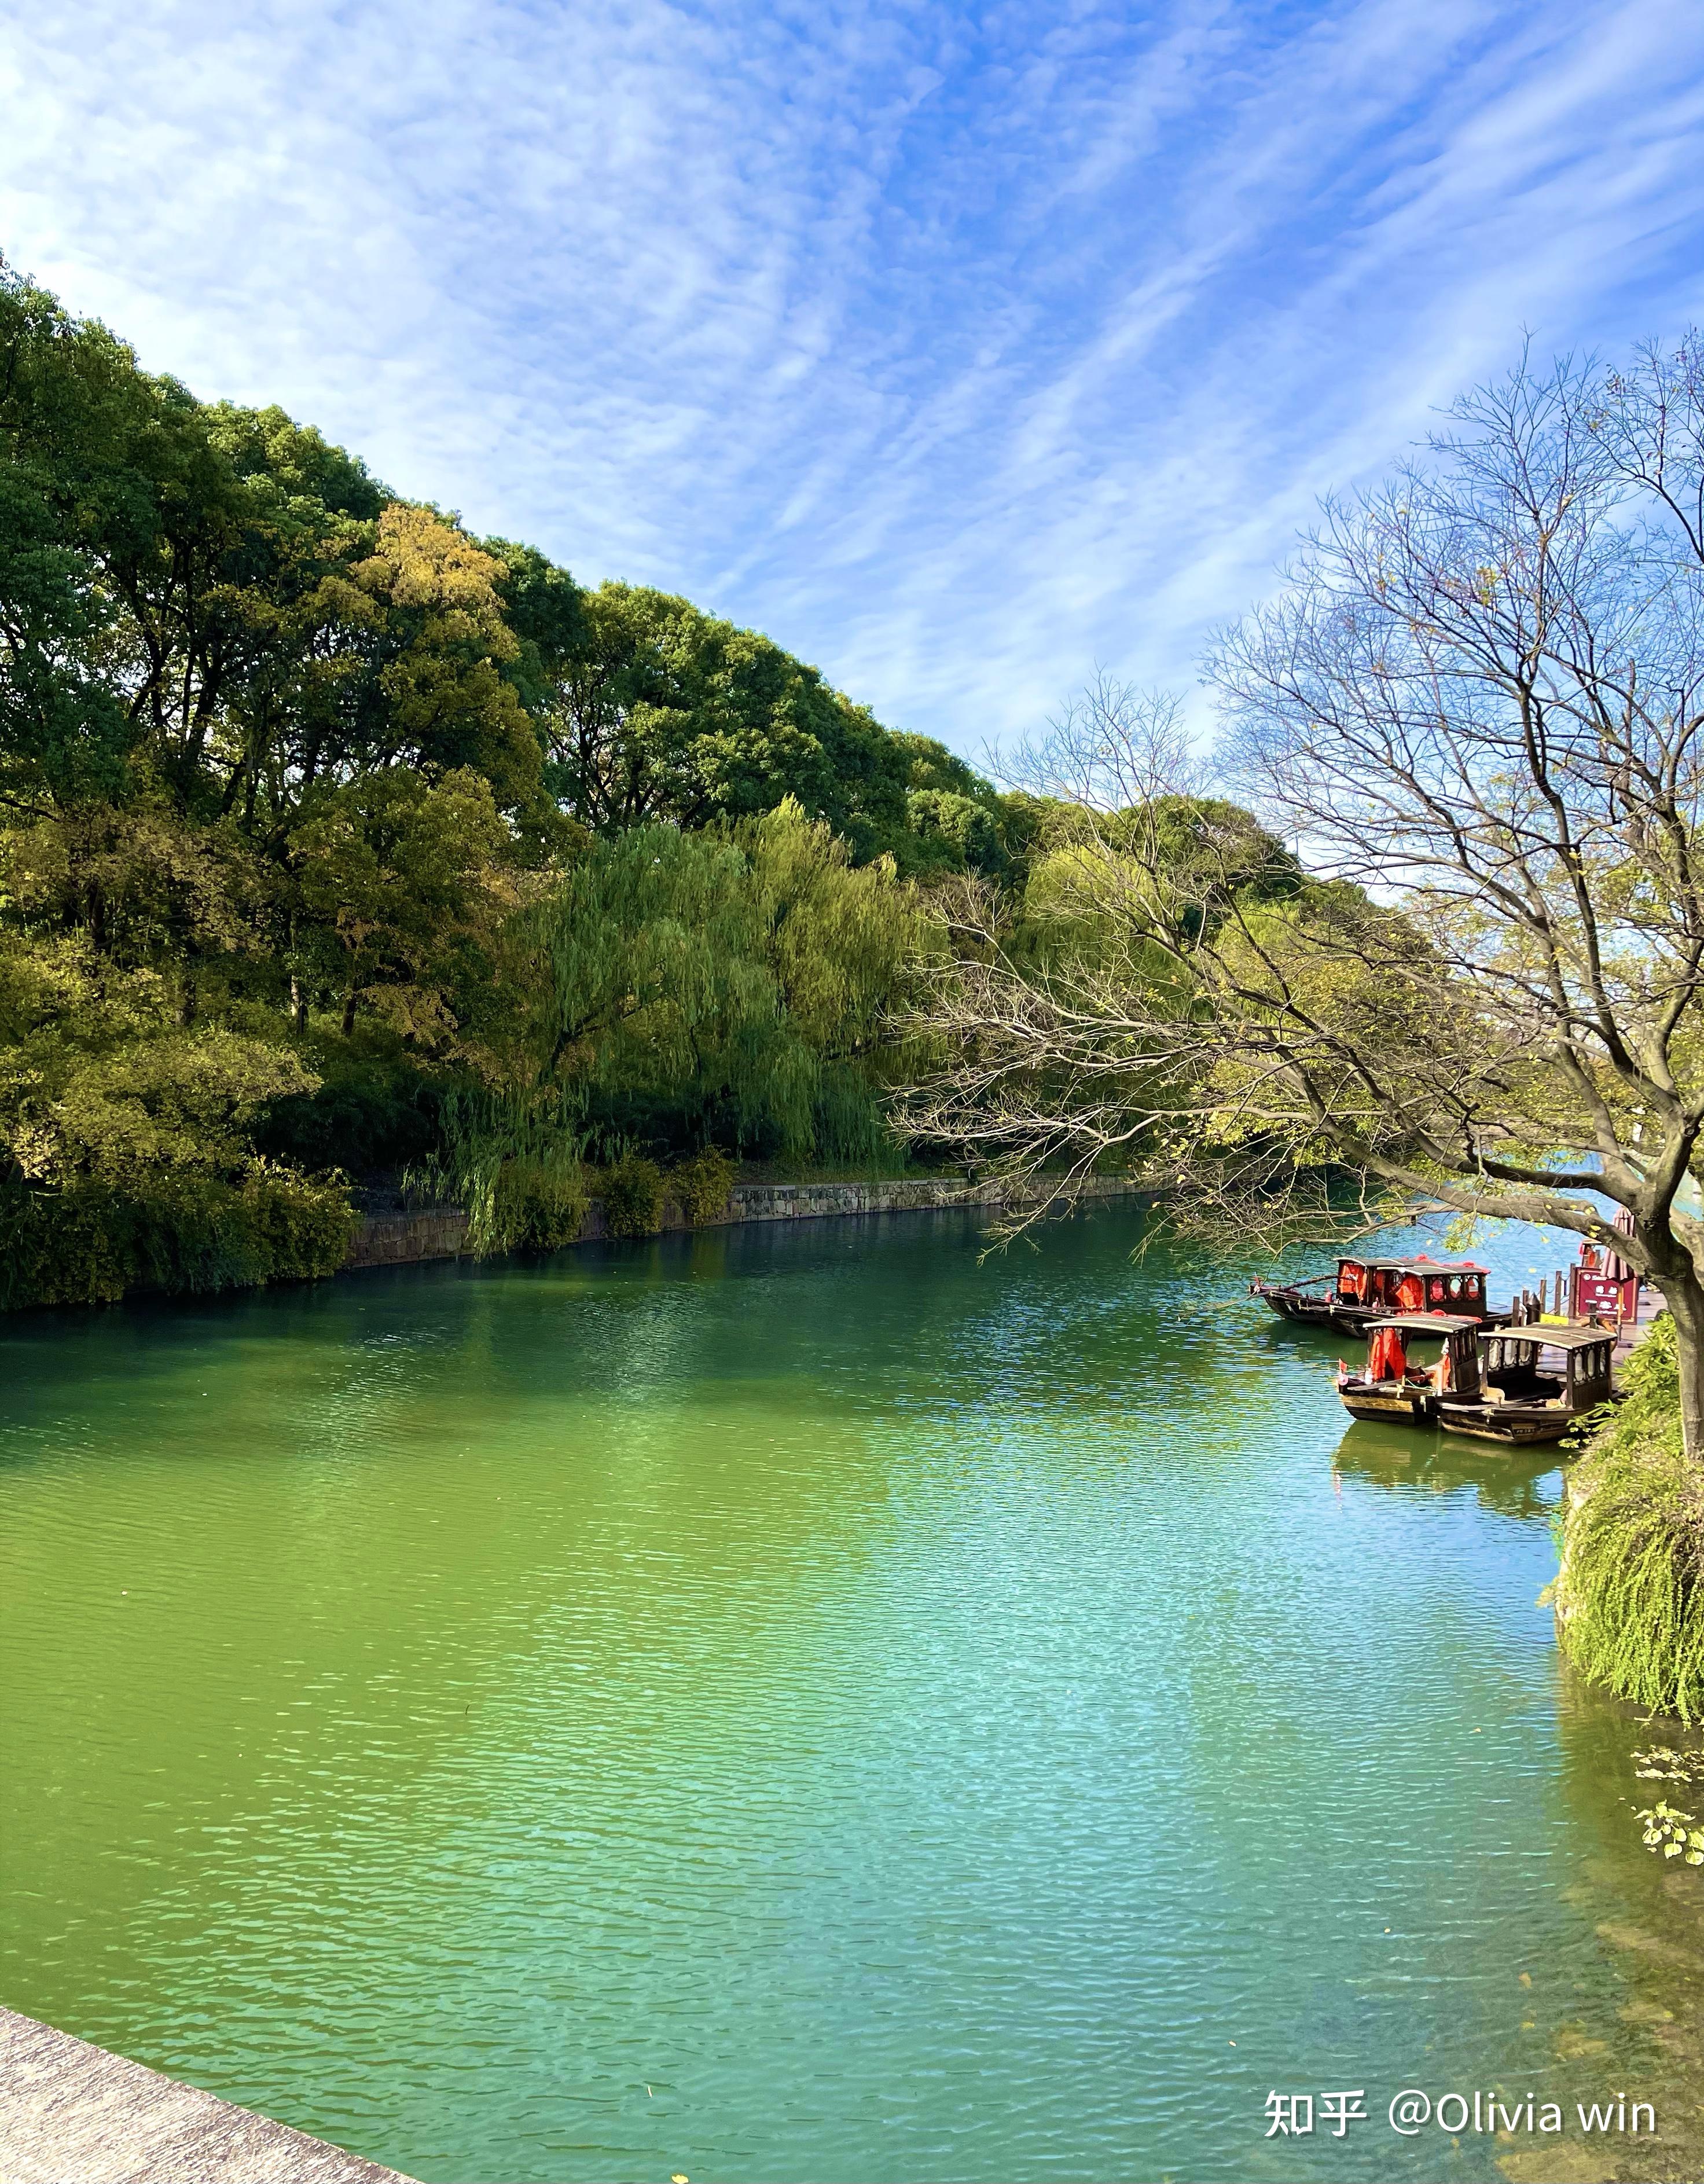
(1386, 1359)
(1420, 1263)
(1414, 1284)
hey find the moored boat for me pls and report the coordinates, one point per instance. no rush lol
(1401, 1389)
(1363, 1290)
(1534, 1384)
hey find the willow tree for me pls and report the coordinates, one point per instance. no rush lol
(727, 986)
(1474, 711)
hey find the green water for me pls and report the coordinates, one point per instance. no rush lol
(801, 1702)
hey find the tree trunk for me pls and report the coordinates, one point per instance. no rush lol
(349, 1014)
(1683, 1295)
(298, 1003)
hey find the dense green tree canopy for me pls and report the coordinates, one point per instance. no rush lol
(321, 820)
(335, 841)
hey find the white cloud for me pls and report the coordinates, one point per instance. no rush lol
(957, 349)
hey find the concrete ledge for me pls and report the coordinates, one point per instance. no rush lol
(72, 2114)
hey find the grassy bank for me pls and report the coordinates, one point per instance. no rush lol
(1629, 1601)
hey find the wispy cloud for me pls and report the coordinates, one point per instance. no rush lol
(958, 347)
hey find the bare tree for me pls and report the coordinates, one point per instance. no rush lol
(1474, 714)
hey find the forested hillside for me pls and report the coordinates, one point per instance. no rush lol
(336, 843)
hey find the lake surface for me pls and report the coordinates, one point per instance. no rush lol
(806, 1701)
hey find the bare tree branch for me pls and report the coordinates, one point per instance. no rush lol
(1474, 714)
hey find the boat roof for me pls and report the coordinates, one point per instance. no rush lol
(1554, 1338)
(1424, 1322)
(1419, 1264)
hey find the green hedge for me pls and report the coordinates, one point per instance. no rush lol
(92, 1244)
(539, 1205)
(633, 1195)
(703, 1185)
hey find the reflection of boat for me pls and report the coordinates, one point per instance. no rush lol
(1396, 1459)
(1365, 1290)
(1536, 1383)
(1392, 1386)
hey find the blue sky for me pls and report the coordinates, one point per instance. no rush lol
(959, 348)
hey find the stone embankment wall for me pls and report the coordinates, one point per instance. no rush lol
(398, 1239)
(397, 1236)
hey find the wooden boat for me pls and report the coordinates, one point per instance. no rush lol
(1392, 1387)
(1363, 1290)
(1534, 1384)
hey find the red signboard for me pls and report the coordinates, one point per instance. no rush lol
(1600, 1296)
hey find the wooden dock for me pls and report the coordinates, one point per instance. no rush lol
(72, 2114)
(1633, 1332)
